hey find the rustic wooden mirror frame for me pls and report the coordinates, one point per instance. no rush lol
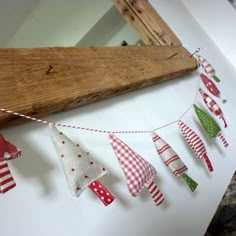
(39, 81)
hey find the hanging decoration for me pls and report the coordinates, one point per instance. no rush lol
(80, 169)
(139, 173)
(208, 68)
(196, 144)
(172, 160)
(7, 152)
(213, 106)
(210, 126)
(211, 87)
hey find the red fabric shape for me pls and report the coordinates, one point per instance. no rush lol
(139, 173)
(102, 192)
(195, 142)
(211, 87)
(7, 150)
(212, 106)
(6, 180)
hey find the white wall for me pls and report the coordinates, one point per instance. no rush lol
(218, 19)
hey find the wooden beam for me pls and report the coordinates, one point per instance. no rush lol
(40, 81)
(147, 22)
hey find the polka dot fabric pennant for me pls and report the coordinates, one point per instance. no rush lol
(139, 173)
(80, 169)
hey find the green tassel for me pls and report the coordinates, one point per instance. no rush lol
(190, 182)
(216, 78)
(208, 123)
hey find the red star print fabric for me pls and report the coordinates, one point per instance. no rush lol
(139, 173)
(80, 169)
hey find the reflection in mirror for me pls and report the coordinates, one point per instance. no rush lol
(110, 30)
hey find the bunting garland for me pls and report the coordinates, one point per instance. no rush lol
(82, 171)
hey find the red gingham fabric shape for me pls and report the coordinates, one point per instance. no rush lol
(7, 150)
(139, 173)
(6, 180)
(80, 169)
(211, 87)
(212, 106)
(169, 156)
(195, 143)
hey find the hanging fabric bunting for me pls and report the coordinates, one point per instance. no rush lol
(139, 173)
(210, 126)
(208, 68)
(6, 180)
(172, 160)
(8, 150)
(213, 106)
(80, 169)
(196, 144)
(211, 87)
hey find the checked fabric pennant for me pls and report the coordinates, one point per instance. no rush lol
(139, 173)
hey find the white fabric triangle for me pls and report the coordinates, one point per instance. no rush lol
(79, 167)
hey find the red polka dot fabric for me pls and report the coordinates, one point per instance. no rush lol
(79, 167)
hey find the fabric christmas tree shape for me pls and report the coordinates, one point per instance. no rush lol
(211, 87)
(213, 106)
(7, 150)
(208, 68)
(139, 173)
(172, 160)
(80, 169)
(196, 144)
(210, 126)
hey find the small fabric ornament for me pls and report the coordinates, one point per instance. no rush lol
(209, 124)
(6, 180)
(208, 68)
(172, 160)
(211, 87)
(80, 169)
(196, 144)
(213, 106)
(139, 173)
(7, 150)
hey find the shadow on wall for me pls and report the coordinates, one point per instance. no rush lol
(233, 3)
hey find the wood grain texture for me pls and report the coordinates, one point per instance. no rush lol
(79, 76)
(147, 22)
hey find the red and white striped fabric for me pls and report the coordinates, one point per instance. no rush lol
(195, 143)
(208, 68)
(6, 180)
(7, 150)
(212, 106)
(223, 140)
(169, 156)
(139, 173)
